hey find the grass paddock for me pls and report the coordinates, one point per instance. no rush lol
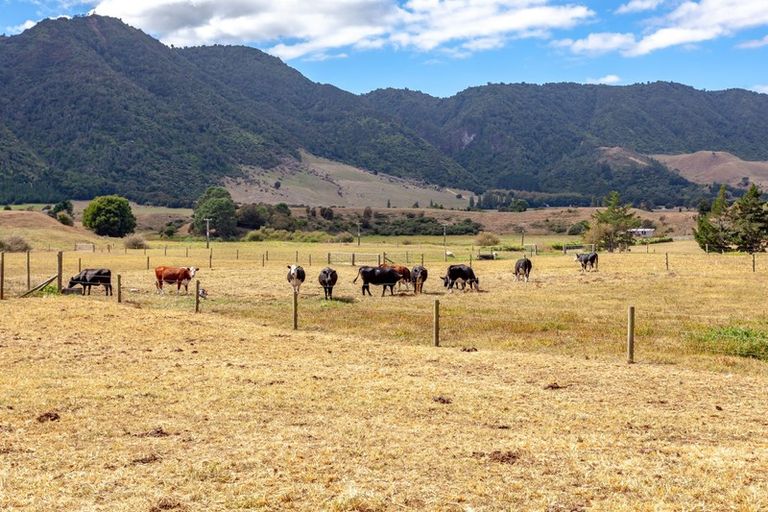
(160, 409)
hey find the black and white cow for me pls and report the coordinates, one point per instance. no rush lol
(523, 268)
(327, 280)
(418, 276)
(93, 277)
(587, 260)
(380, 276)
(460, 275)
(296, 276)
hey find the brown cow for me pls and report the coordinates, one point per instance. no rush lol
(403, 271)
(178, 275)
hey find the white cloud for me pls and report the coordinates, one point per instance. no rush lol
(18, 29)
(605, 80)
(754, 43)
(598, 43)
(762, 89)
(298, 28)
(638, 6)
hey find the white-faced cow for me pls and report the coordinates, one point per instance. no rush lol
(327, 280)
(523, 268)
(460, 275)
(418, 276)
(93, 277)
(380, 276)
(296, 276)
(587, 260)
(180, 276)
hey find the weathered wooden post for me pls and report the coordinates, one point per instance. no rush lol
(59, 269)
(2, 275)
(329, 258)
(29, 272)
(384, 257)
(147, 262)
(187, 252)
(295, 310)
(297, 257)
(93, 248)
(165, 250)
(647, 247)
(436, 324)
(267, 255)
(210, 258)
(666, 260)
(237, 254)
(753, 262)
(119, 288)
(262, 259)
(310, 259)
(422, 259)
(631, 335)
(378, 259)
(565, 248)
(109, 249)
(706, 248)
(470, 260)
(197, 295)
(353, 259)
(79, 267)
(536, 249)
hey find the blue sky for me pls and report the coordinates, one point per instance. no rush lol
(443, 46)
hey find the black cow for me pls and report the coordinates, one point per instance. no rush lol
(523, 268)
(380, 276)
(327, 279)
(93, 277)
(587, 260)
(460, 274)
(418, 276)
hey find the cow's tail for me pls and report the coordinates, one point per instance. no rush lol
(596, 257)
(358, 275)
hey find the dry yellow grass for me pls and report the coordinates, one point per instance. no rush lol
(232, 410)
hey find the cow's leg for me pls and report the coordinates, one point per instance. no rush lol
(366, 288)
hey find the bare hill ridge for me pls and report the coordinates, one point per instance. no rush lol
(706, 167)
(42, 231)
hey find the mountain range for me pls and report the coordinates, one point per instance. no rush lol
(91, 106)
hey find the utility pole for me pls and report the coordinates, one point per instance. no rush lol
(358, 234)
(207, 233)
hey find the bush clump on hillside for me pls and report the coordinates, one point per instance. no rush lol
(14, 244)
(65, 219)
(135, 242)
(486, 239)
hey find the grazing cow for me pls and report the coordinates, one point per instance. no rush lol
(587, 260)
(327, 279)
(460, 274)
(418, 276)
(93, 277)
(296, 276)
(523, 268)
(380, 276)
(403, 271)
(179, 275)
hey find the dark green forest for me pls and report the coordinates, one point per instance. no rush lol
(90, 106)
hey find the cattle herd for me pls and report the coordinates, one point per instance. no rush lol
(384, 275)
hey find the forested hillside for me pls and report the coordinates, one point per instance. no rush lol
(92, 106)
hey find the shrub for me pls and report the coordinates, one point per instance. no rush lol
(343, 238)
(485, 239)
(14, 244)
(135, 242)
(109, 215)
(7, 207)
(579, 228)
(65, 219)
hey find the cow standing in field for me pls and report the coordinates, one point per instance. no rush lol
(93, 277)
(327, 279)
(460, 275)
(523, 268)
(418, 276)
(296, 276)
(587, 260)
(380, 276)
(181, 276)
(403, 271)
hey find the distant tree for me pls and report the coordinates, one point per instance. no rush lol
(326, 213)
(215, 204)
(109, 216)
(714, 229)
(253, 216)
(750, 222)
(609, 228)
(62, 206)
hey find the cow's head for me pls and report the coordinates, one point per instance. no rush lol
(203, 293)
(446, 281)
(577, 257)
(192, 271)
(292, 269)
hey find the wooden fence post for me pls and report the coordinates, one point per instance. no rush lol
(262, 259)
(631, 335)
(470, 260)
(79, 267)
(2, 275)
(210, 259)
(29, 272)
(295, 310)
(353, 259)
(237, 254)
(436, 324)
(59, 269)
(197, 295)
(267, 255)
(187, 252)
(422, 259)
(147, 262)
(310, 259)
(165, 250)
(329, 258)
(666, 260)
(297, 257)
(119, 288)
(378, 259)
